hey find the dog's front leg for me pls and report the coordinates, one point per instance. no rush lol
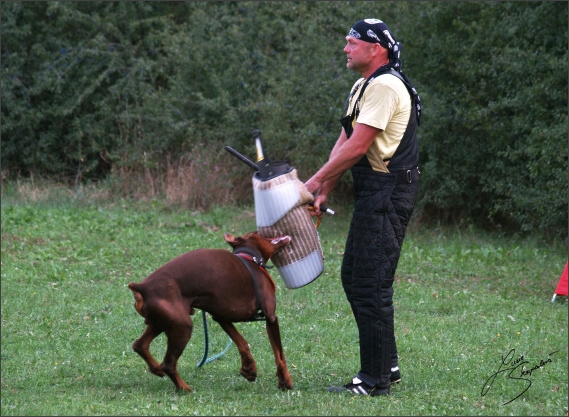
(285, 382)
(248, 365)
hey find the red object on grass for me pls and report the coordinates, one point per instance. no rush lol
(562, 284)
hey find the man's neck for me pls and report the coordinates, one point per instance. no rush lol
(373, 67)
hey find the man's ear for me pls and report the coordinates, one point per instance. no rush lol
(380, 50)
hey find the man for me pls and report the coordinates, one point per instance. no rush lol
(378, 143)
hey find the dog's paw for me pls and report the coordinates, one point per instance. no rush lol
(249, 375)
(184, 387)
(285, 384)
(157, 371)
(285, 381)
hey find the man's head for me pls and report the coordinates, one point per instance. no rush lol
(372, 45)
(374, 31)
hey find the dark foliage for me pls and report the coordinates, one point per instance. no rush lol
(89, 88)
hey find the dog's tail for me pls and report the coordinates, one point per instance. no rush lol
(137, 292)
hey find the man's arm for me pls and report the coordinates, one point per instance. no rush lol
(345, 154)
(328, 185)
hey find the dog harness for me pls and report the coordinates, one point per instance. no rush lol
(248, 255)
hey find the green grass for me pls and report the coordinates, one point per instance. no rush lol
(462, 300)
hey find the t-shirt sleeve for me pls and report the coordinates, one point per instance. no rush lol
(379, 103)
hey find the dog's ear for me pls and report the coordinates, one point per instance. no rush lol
(281, 239)
(233, 241)
(229, 238)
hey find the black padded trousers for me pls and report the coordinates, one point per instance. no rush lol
(382, 211)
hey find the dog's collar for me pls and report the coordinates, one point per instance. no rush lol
(252, 256)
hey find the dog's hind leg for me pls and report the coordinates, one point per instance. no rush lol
(178, 334)
(248, 365)
(142, 347)
(283, 376)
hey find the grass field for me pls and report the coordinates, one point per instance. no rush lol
(463, 301)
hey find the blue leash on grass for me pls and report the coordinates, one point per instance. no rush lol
(205, 359)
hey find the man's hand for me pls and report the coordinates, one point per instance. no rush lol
(313, 185)
(315, 207)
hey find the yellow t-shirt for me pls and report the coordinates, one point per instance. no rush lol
(386, 105)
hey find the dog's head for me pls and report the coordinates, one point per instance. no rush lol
(266, 246)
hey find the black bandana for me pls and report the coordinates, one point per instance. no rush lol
(375, 31)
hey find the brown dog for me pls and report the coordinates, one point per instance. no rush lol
(231, 287)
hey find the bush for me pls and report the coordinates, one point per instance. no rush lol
(494, 138)
(96, 90)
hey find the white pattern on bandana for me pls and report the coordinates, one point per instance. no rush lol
(372, 34)
(354, 33)
(386, 33)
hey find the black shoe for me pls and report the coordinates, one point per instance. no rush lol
(358, 387)
(395, 377)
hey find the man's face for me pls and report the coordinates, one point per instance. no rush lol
(358, 54)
